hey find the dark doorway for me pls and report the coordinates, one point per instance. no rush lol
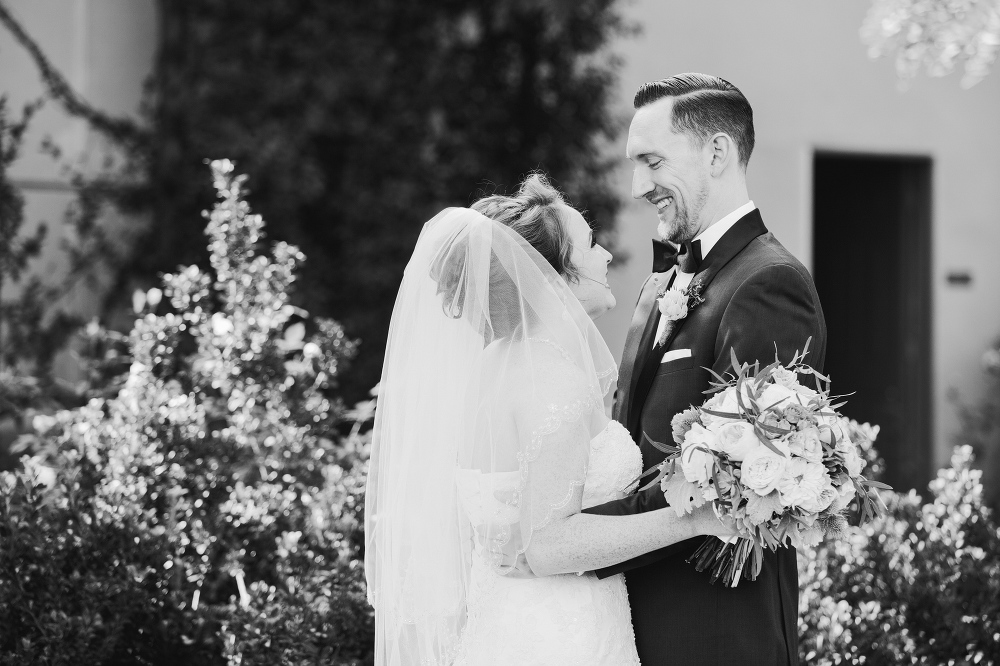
(871, 259)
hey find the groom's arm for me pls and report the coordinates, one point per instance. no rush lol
(776, 307)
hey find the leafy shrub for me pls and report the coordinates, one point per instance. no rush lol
(209, 512)
(920, 586)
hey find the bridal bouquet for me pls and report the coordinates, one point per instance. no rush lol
(773, 454)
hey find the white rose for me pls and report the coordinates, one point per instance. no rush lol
(853, 461)
(696, 462)
(785, 377)
(845, 495)
(737, 439)
(806, 395)
(806, 444)
(835, 426)
(762, 468)
(776, 395)
(805, 392)
(843, 431)
(723, 401)
(807, 486)
(673, 305)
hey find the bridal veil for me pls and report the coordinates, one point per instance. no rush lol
(489, 355)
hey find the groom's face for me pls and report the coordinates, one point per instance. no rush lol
(670, 171)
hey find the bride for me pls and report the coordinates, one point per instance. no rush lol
(491, 436)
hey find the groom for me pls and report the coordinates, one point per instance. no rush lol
(690, 141)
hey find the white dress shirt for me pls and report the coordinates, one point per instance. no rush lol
(708, 238)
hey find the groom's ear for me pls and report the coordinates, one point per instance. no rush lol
(722, 152)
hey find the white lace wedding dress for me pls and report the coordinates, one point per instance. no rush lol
(568, 619)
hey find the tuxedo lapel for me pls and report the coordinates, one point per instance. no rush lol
(637, 344)
(747, 228)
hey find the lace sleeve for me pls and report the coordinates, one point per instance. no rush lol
(555, 419)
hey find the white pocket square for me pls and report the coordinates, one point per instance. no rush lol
(675, 354)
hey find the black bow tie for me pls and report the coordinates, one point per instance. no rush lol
(688, 257)
(664, 256)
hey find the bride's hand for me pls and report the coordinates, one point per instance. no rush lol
(709, 524)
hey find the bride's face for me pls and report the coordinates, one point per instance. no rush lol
(592, 261)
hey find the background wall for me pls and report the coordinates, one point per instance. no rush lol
(805, 71)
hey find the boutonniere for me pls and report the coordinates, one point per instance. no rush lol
(675, 304)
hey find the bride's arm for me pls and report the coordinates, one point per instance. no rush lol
(569, 541)
(585, 542)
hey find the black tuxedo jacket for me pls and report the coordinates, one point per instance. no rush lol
(758, 299)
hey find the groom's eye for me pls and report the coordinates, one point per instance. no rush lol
(656, 164)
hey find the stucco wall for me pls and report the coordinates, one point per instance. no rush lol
(105, 49)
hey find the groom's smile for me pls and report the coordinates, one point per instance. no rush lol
(662, 204)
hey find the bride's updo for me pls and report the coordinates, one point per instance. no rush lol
(534, 213)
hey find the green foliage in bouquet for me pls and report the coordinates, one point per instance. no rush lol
(209, 512)
(920, 585)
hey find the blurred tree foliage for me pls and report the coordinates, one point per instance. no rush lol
(357, 122)
(935, 35)
(205, 507)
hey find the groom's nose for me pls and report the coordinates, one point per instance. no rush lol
(642, 184)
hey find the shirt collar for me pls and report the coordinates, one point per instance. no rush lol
(709, 237)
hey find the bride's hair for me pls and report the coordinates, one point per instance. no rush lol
(534, 214)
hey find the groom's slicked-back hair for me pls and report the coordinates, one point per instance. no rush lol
(703, 106)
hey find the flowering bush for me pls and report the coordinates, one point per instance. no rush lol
(209, 511)
(919, 586)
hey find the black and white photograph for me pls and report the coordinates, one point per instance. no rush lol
(499, 333)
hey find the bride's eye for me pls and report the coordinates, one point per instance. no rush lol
(593, 236)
